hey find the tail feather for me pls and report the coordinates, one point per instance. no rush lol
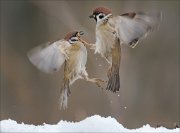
(114, 80)
(118, 82)
(64, 94)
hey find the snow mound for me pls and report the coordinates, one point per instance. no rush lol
(91, 124)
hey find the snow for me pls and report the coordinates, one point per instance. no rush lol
(94, 123)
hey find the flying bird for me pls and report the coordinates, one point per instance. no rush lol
(71, 52)
(112, 31)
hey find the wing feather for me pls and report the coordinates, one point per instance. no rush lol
(49, 57)
(132, 27)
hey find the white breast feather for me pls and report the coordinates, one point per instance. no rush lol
(79, 68)
(104, 39)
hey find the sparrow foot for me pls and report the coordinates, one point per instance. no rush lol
(100, 82)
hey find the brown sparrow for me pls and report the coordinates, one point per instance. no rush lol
(72, 52)
(111, 31)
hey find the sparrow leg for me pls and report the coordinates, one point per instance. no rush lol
(97, 81)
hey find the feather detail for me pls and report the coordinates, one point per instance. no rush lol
(132, 27)
(49, 57)
(114, 81)
(65, 90)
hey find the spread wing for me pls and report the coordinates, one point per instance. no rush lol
(49, 57)
(132, 27)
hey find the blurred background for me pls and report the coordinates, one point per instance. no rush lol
(149, 73)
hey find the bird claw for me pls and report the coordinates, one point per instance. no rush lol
(100, 82)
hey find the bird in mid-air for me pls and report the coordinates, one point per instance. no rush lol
(71, 52)
(112, 31)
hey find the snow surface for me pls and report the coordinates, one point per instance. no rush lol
(94, 123)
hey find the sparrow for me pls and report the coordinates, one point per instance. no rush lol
(71, 52)
(112, 31)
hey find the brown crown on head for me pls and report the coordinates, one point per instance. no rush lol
(104, 10)
(70, 34)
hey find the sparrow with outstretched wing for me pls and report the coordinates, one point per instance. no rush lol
(111, 31)
(71, 52)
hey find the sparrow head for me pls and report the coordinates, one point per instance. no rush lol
(101, 13)
(73, 37)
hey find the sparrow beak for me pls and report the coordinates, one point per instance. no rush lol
(91, 16)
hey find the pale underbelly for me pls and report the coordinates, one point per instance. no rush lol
(105, 40)
(104, 47)
(77, 66)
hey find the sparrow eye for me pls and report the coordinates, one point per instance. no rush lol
(101, 16)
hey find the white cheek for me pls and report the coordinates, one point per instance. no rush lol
(98, 20)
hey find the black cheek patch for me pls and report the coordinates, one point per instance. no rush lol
(95, 19)
(97, 13)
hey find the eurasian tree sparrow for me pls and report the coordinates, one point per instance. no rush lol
(112, 31)
(70, 51)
